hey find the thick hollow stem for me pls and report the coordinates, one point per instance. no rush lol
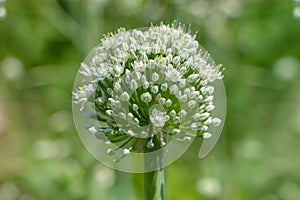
(154, 181)
(154, 185)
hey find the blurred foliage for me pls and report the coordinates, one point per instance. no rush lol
(41, 46)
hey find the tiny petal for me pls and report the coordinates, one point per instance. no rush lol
(135, 107)
(124, 96)
(133, 84)
(144, 134)
(118, 69)
(210, 108)
(206, 135)
(92, 130)
(187, 91)
(192, 78)
(197, 116)
(168, 103)
(150, 144)
(162, 101)
(182, 83)
(194, 94)
(176, 120)
(183, 98)
(191, 104)
(131, 133)
(204, 116)
(182, 113)
(174, 89)
(216, 121)
(209, 98)
(117, 86)
(176, 131)
(146, 85)
(194, 126)
(155, 77)
(187, 138)
(164, 87)
(111, 151)
(154, 89)
(130, 116)
(176, 60)
(146, 97)
(173, 74)
(204, 128)
(172, 113)
(208, 121)
(122, 115)
(210, 89)
(126, 151)
(109, 112)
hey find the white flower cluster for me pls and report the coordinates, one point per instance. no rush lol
(147, 84)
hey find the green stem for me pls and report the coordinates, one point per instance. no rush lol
(154, 181)
(154, 185)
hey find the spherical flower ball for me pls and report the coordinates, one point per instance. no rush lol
(146, 92)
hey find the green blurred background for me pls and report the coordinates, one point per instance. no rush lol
(42, 43)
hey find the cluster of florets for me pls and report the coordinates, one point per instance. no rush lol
(150, 86)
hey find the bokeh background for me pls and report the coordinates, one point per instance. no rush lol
(42, 43)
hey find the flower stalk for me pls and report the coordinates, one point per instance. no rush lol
(154, 185)
(154, 181)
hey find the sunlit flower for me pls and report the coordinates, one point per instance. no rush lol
(148, 86)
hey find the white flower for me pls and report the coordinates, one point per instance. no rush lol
(132, 71)
(158, 118)
(82, 94)
(173, 74)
